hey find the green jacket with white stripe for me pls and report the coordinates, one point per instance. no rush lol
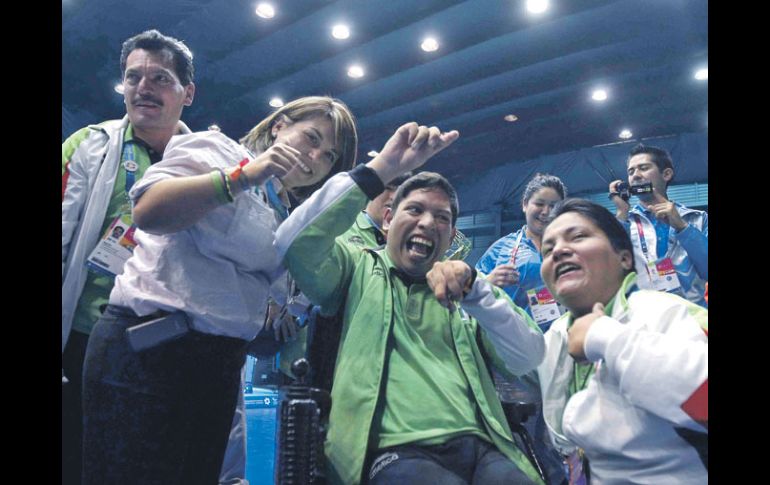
(336, 275)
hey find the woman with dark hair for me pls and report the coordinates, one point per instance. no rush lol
(625, 377)
(159, 410)
(513, 261)
(513, 264)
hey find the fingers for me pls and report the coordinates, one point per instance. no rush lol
(287, 158)
(437, 283)
(448, 138)
(407, 132)
(447, 280)
(598, 308)
(422, 135)
(504, 275)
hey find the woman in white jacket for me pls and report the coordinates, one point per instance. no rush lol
(625, 377)
(206, 217)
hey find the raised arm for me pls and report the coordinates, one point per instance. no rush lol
(176, 203)
(306, 240)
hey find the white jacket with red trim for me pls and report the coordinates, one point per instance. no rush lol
(645, 409)
(90, 167)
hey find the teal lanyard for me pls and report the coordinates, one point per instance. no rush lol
(130, 166)
(276, 201)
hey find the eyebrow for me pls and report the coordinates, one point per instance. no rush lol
(569, 230)
(152, 70)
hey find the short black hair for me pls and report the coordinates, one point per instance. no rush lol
(659, 156)
(602, 218)
(427, 180)
(541, 181)
(396, 182)
(154, 41)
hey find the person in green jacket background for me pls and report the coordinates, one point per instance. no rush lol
(413, 400)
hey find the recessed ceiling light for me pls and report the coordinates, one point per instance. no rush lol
(265, 10)
(625, 134)
(340, 31)
(599, 95)
(429, 44)
(537, 6)
(355, 71)
(702, 74)
(276, 102)
(373, 153)
(214, 127)
(119, 88)
(510, 118)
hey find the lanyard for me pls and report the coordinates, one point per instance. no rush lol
(577, 369)
(276, 201)
(642, 242)
(516, 245)
(130, 165)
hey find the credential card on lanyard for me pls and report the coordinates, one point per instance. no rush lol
(543, 305)
(660, 272)
(117, 243)
(113, 250)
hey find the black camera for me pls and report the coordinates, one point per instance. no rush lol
(625, 191)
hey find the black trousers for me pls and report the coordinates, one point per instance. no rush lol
(159, 416)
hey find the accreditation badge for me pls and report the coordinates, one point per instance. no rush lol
(114, 248)
(663, 275)
(543, 305)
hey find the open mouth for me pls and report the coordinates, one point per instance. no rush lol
(304, 167)
(419, 247)
(565, 268)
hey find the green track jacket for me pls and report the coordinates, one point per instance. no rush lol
(334, 274)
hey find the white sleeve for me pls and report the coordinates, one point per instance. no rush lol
(664, 373)
(514, 337)
(191, 154)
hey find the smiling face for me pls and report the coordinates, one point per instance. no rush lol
(580, 266)
(420, 230)
(153, 94)
(538, 208)
(314, 139)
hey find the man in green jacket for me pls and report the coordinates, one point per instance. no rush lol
(413, 400)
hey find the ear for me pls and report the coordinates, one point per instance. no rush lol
(189, 94)
(387, 216)
(668, 174)
(281, 122)
(626, 259)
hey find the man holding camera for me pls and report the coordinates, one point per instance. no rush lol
(670, 241)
